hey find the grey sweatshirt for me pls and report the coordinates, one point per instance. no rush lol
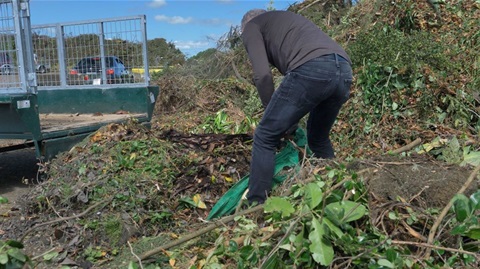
(285, 40)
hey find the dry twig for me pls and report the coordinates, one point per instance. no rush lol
(217, 223)
(430, 246)
(63, 219)
(445, 210)
(408, 146)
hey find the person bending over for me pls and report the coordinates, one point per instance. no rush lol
(317, 78)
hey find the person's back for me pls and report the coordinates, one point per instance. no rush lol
(290, 39)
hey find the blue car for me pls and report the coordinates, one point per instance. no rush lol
(89, 71)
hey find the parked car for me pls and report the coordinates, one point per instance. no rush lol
(6, 66)
(89, 71)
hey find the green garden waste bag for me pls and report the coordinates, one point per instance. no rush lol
(286, 158)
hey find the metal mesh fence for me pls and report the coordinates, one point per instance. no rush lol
(90, 53)
(77, 54)
(8, 53)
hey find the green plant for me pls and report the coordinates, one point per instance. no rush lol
(467, 225)
(94, 253)
(378, 86)
(466, 213)
(12, 256)
(222, 124)
(316, 221)
(324, 221)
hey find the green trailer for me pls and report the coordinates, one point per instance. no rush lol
(53, 111)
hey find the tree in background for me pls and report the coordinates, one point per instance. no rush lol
(163, 53)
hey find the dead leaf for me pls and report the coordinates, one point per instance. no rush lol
(197, 199)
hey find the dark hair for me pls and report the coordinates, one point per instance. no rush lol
(250, 15)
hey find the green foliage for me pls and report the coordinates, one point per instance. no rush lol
(379, 87)
(114, 229)
(12, 256)
(468, 220)
(253, 104)
(316, 221)
(318, 224)
(160, 52)
(452, 151)
(409, 53)
(222, 124)
(163, 54)
(460, 110)
(93, 253)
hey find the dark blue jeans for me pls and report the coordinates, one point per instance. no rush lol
(319, 88)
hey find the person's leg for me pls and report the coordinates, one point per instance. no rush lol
(319, 124)
(323, 116)
(300, 92)
(285, 109)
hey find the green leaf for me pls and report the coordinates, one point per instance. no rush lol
(3, 200)
(272, 263)
(393, 215)
(394, 106)
(82, 170)
(232, 246)
(472, 158)
(50, 256)
(14, 243)
(3, 258)
(345, 211)
(188, 201)
(474, 233)
(279, 204)
(297, 240)
(475, 200)
(333, 228)
(321, 249)
(385, 263)
(132, 265)
(461, 207)
(17, 254)
(314, 195)
(460, 229)
(246, 252)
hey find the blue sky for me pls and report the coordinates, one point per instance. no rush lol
(192, 26)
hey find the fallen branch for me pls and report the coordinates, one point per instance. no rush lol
(430, 246)
(214, 225)
(407, 147)
(445, 210)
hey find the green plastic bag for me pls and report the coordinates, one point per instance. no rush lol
(286, 158)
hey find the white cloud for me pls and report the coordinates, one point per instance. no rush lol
(186, 20)
(157, 3)
(215, 21)
(174, 19)
(187, 45)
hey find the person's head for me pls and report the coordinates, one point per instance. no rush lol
(250, 15)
